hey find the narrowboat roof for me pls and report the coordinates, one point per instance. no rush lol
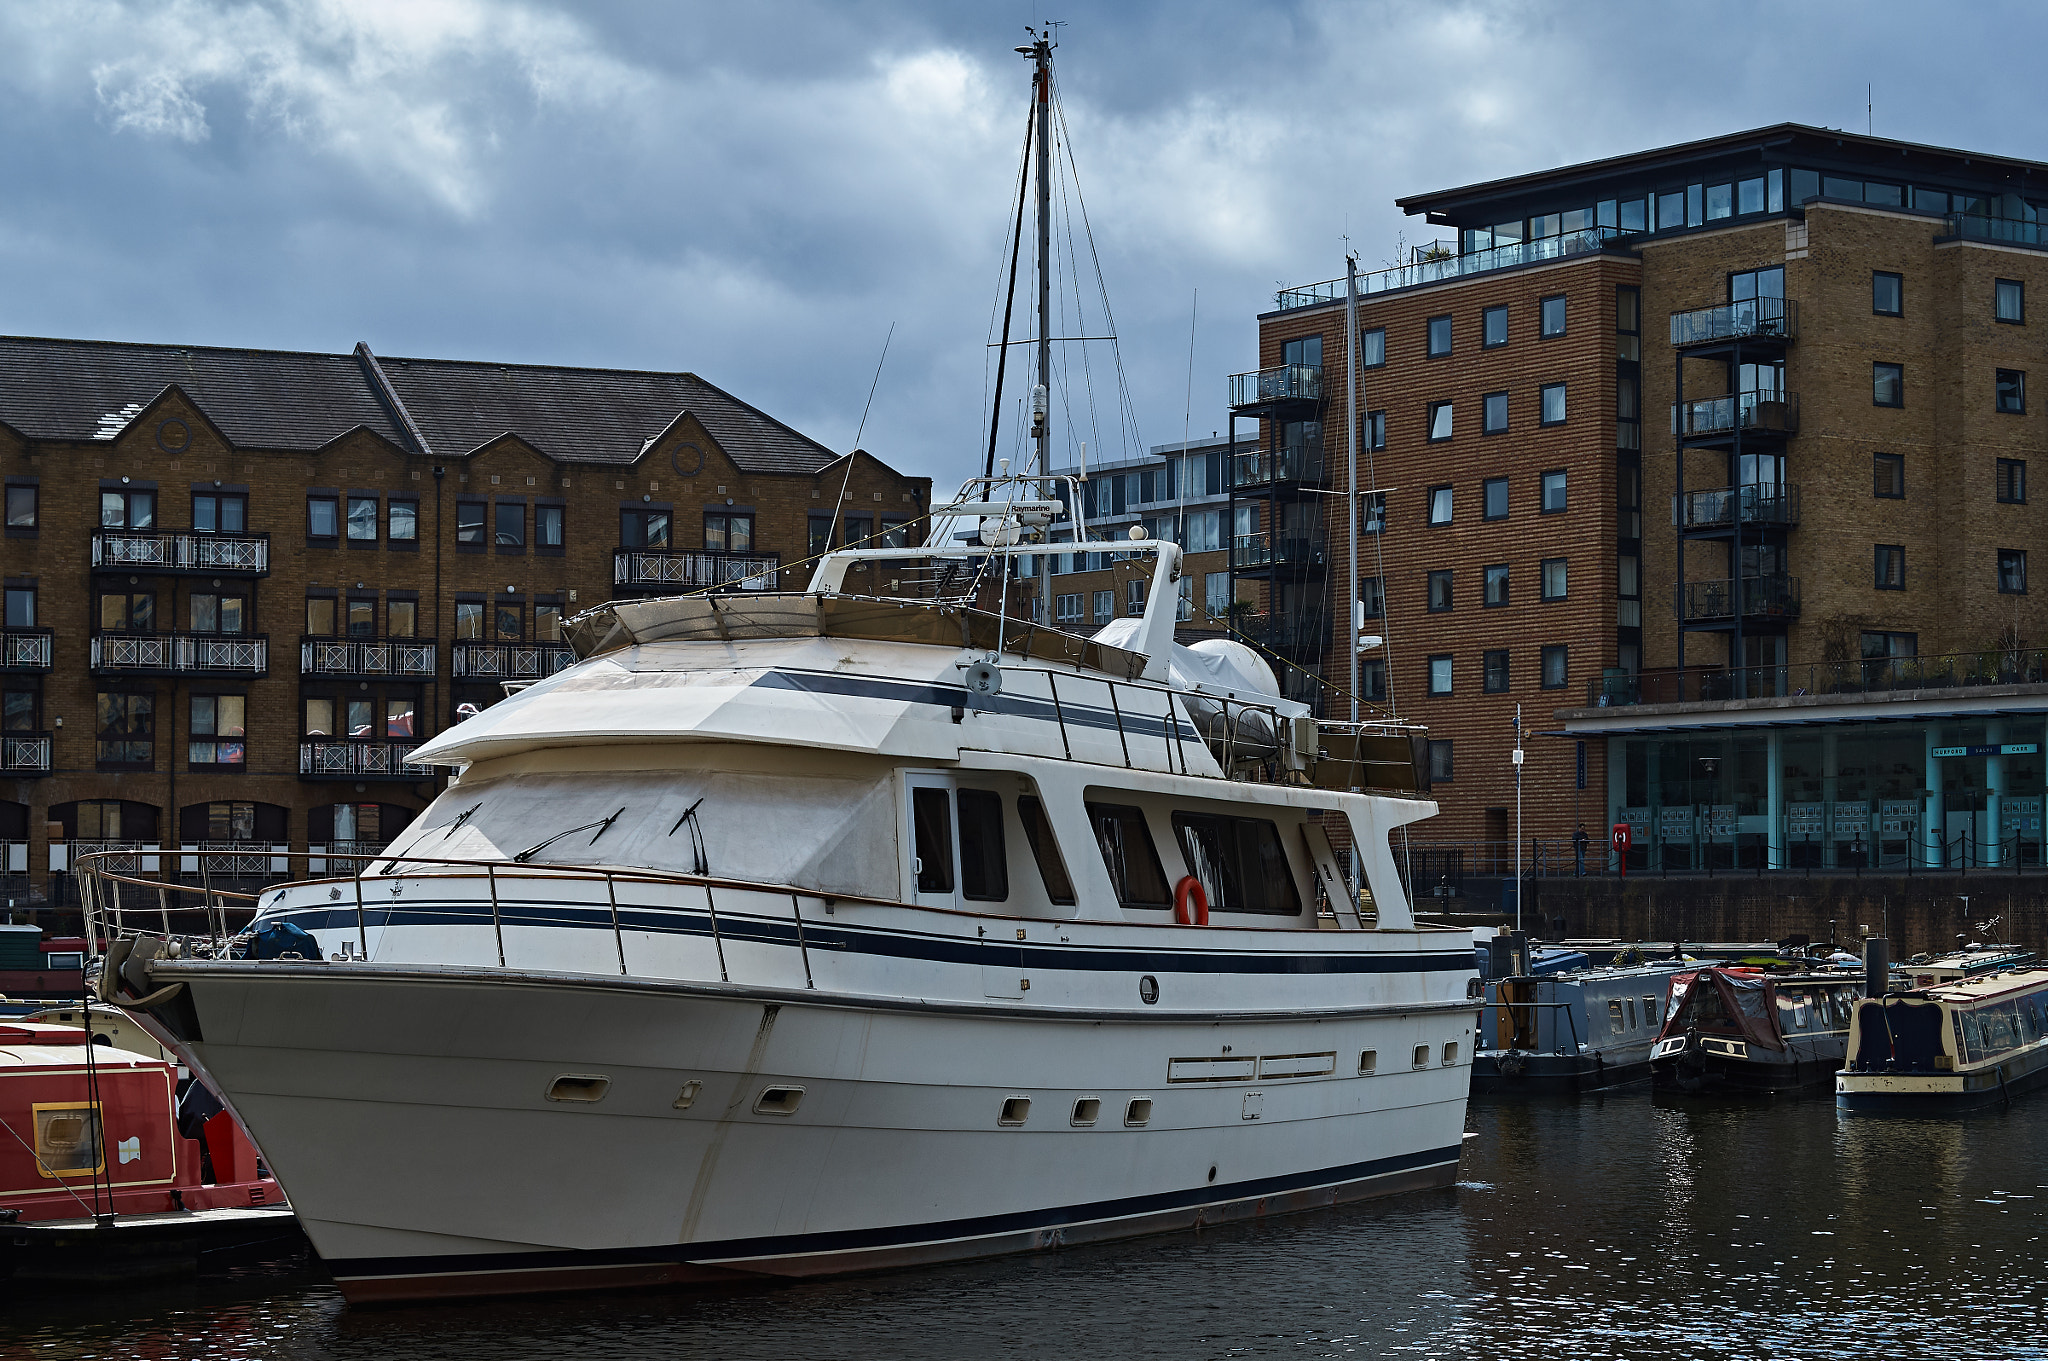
(1988, 985)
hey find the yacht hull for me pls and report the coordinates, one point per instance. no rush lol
(419, 1120)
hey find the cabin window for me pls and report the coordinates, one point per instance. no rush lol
(1650, 1011)
(1129, 855)
(1614, 1018)
(984, 869)
(1240, 863)
(1045, 850)
(931, 819)
(1631, 1013)
(68, 1138)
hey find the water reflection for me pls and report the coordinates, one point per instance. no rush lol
(1625, 1225)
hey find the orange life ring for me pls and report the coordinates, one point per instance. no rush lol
(1190, 888)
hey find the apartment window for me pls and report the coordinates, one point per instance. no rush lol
(1887, 294)
(819, 538)
(21, 607)
(2012, 481)
(21, 507)
(1890, 645)
(1553, 404)
(1556, 666)
(1439, 337)
(213, 612)
(469, 622)
(1105, 606)
(729, 532)
(2012, 392)
(1494, 672)
(1556, 490)
(1372, 597)
(469, 524)
(1890, 567)
(1372, 679)
(126, 729)
(1553, 316)
(509, 526)
(1441, 596)
(402, 521)
(1888, 475)
(2012, 571)
(1887, 384)
(649, 529)
(1439, 505)
(217, 731)
(1628, 498)
(1440, 674)
(1493, 330)
(220, 513)
(1067, 608)
(1439, 421)
(1374, 433)
(18, 711)
(1439, 762)
(1372, 512)
(2011, 301)
(896, 533)
(1134, 597)
(402, 618)
(1304, 350)
(129, 510)
(1554, 579)
(362, 519)
(547, 529)
(1372, 347)
(861, 528)
(320, 616)
(508, 619)
(323, 517)
(362, 616)
(1496, 584)
(1493, 409)
(547, 622)
(1215, 595)
(127, 612)
(1494, 502)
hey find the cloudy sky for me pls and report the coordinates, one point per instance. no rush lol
(756, 192)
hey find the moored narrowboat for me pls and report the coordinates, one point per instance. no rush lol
(1968, 1043)
(1736, 1030)
(1583, 1030)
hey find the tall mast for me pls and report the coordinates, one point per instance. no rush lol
(1351, 466)
(1041, 422)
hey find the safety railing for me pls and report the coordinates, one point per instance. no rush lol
(1749, 319)
(231, 654)
(367, 657)
(25, 753)
(27, 650)
(1294, 463)
(165, 550)
(1281, 383)
(352, 758)
(510, 661)
(651, 567)
(1866, 675)
(1759, 597)
(1767, 505)
(1759, 413)
(1435, 270)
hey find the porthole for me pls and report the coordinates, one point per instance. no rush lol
(1422, 1056)
(1148, 990)
(1368, 1062)
(1086, 1111)
(779, 1101)
(1139, 1112)
(1212, 1172)
(1451, 1054)
(578, 1087)
(687, 1097)
(1016, 1110)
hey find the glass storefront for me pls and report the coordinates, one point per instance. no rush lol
(1839, 796)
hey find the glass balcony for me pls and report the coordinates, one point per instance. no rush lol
(181, 654)
(1766, 413)
(2003, 231)
(1288, 548)
(1759, 598)
(1750, 319)
(25, 753)
(1771, 506)
(1431, 271)
(660, 568)
(1866, 675)
(1299, 463)
(510, 661)
(170, 551)
(1293, 637)
(26, 650)
(367, 657)
(1284, 383)
(336, 758)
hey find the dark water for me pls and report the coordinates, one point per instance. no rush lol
(1629, 1226)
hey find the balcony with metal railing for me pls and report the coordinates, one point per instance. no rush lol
(1288, 548)
(158, 551)
(367, 658)
(25, 753)
(342, 758)
(2001, 231)
(1761, 319)
(1774, 414)
(1290, 637)
(662, 569)
(1758, 599)
(27, 650)
(181, 654)
(1765, 505)
(1855, 676)
(509, 661)
(1281, 383)
(1266, 467)
(1434, 269)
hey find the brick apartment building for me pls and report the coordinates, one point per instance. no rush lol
(241, 585)
(1713, 458)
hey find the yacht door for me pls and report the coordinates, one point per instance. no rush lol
(934, 857)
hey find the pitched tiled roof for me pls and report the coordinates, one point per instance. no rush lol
(290, 401)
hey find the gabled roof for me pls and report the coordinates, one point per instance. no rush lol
(290, 401)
